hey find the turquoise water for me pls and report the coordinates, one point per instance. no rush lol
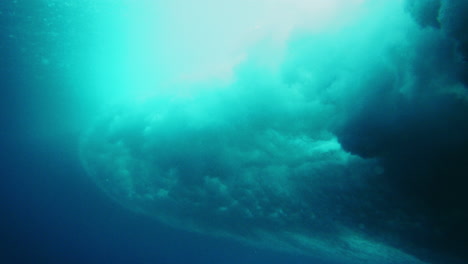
(309, 131)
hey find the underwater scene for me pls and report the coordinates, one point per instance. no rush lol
(234, 131)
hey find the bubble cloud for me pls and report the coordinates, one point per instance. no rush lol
(350, 147)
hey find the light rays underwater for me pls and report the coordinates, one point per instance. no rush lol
(337, 129)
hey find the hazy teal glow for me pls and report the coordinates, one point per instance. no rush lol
(143, 47)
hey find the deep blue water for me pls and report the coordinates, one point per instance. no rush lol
(402, 117)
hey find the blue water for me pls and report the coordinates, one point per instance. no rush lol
(144, 134)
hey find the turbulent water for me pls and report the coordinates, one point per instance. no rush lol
(343, 138)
